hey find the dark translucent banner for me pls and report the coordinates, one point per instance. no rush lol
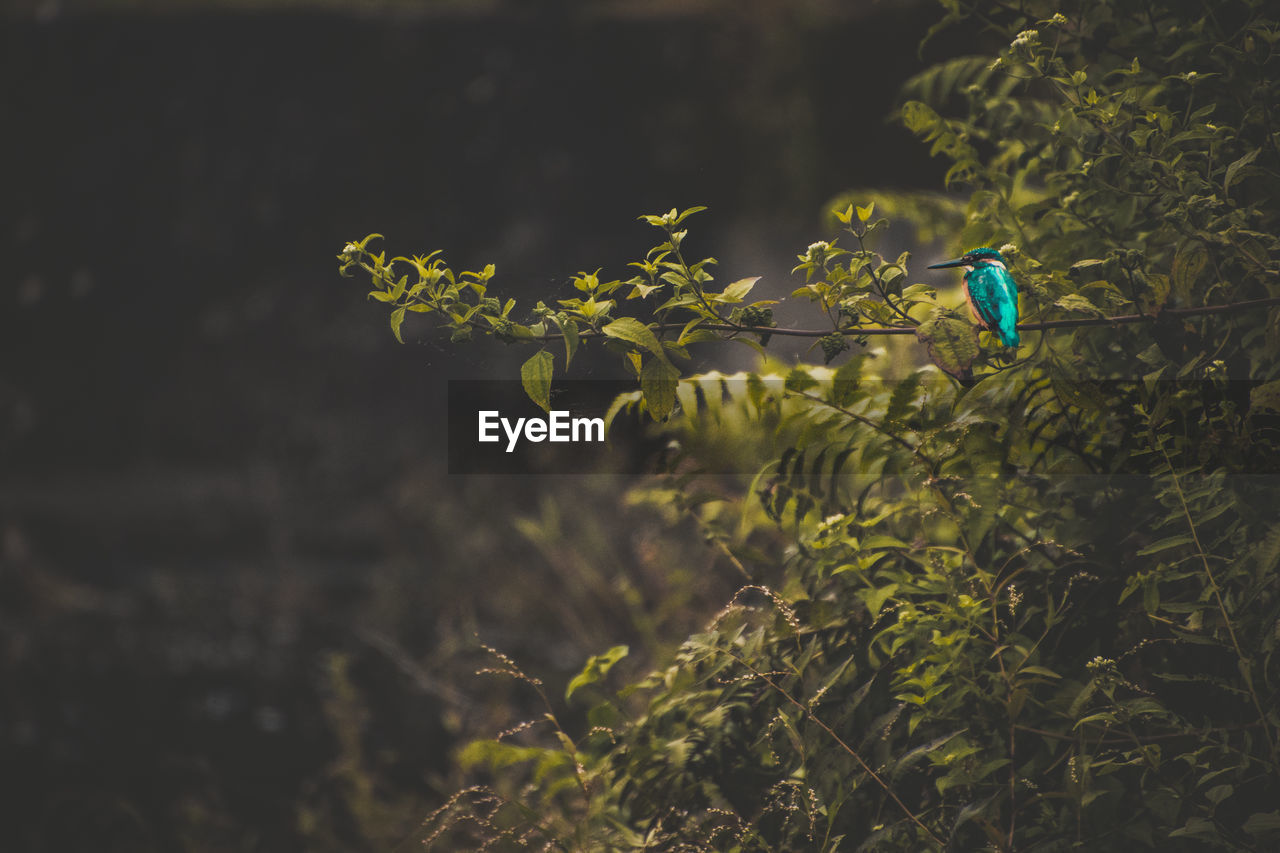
(1073, 427)
(494, 428)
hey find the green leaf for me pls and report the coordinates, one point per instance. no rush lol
(1263, 824)
(535, 375)
(1166, 544)
(918, 117)
(633, 331)
(397, 317)
(880, 540)
(952, 343)
(1266, 396)
(1076, 302)
(1087, 268)
(658, 385)
(922, 751)
(799, 380)
(1188, 263)
(875, 597)
(844, 384)
(738, 291)
(596, 669)
(1159, 292)
(686, 213)
(570, 331)
(1233, 171)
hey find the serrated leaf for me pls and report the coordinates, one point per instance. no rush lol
(535, 376)
(952, 343)
(658, 385)
(1076, 302)
(1159, 292)
(633, 331)
(1188, 263)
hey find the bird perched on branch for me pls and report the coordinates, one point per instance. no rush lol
(991, 291)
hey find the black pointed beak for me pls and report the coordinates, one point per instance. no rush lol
(958, 262)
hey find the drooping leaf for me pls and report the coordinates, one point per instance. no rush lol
(952, 343)
(535, 376)
(1188, 263)
(397, 317)
(658, 382)
(570, 331)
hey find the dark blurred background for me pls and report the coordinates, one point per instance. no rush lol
(239, 595)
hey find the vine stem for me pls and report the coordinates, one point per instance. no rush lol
(808, 712)
(1044, 325)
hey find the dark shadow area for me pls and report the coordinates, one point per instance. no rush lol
(236, 583)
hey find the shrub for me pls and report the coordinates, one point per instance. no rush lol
(1019, 599)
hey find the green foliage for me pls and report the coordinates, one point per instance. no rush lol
(1013, 604)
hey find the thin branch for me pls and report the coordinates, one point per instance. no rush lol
(1044, 325)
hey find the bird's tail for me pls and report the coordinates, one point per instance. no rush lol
(1009, 333)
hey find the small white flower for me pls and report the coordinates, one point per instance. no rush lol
(1008, 250)
(1058, 19)
(1026, 37)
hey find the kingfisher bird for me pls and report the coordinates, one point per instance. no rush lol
(991, 291)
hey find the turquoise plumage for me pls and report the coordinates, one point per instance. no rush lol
(991, 291)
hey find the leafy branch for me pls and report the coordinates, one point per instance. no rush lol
(857, 291)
